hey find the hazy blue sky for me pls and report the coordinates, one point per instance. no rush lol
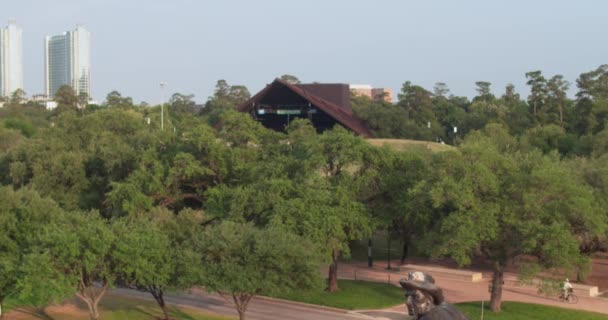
(191, 44)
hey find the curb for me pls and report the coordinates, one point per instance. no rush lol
(326, 308)
(303, 304)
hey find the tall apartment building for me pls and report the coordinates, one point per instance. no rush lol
(11, 59)
(68, 61)
(375, 94)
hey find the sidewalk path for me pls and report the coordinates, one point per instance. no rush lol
(457, 291)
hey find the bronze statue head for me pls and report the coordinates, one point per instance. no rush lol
(425, 300)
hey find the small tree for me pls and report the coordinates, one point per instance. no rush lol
(241, 261)
(144, 258)
(290, 79)
(24, 272)
(82, 248)
(17, 97)
(115, 100)
(342, 217)
(152, 257)
(66, 98)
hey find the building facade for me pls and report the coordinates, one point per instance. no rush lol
(11, 59)
(375, 94)
(68, 61)
(325, 105)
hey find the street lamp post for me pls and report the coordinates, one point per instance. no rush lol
(370, 260)
(162, 104)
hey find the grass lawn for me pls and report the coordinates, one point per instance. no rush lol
(352, 295)
(405, 144)
(114, 308)
(525, 311)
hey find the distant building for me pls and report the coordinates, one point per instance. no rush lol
(40, 98)
(50, 105)
(375, 94)
(325, 105)
(11, 59)
(68, 61)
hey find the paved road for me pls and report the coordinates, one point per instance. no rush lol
(259, 309)
(457, 291)
(454, 290)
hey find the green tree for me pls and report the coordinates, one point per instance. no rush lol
(418, 105)
(225, 97)
(395, 192)
(557, 99)
(66, 98)
(82, 249)
(222, 89)
(9, 139)
(23, 126)
(593, 84)
(502, 204)
(538, 90)
(17, 97)
(306, 186)
(510, 94)
(24, 272)
(239, 94)
(115, 100)
(181, 103)
(441, 90)
(336, 215)
(484, 92)
(591, 110)
(384, 119)
(417, 101)
(83, 100)
(290, 79)
(241, 261)
(152, 257)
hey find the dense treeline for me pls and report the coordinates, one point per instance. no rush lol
(547, 117)
(100, 196)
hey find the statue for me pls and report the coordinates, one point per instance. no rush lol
(425, 300)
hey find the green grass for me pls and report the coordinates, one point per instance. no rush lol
(405, 144)
(525, 311)
(352, 295)
(117, 308)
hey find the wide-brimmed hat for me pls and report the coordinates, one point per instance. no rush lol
(427, 287)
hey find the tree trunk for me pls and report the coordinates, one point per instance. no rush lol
(497, 282)
(159, 296)
(1, 314)
(241, 301)
(332, 279)
(89, 295)
(370, 259)
(405, 250)
(94, 312)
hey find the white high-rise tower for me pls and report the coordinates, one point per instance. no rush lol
(68, 61)
(11, 59)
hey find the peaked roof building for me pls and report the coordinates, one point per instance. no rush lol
(325, 105)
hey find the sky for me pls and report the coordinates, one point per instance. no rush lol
(191, 44)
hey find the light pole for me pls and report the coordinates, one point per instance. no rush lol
(370, 260)
(162, 104)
